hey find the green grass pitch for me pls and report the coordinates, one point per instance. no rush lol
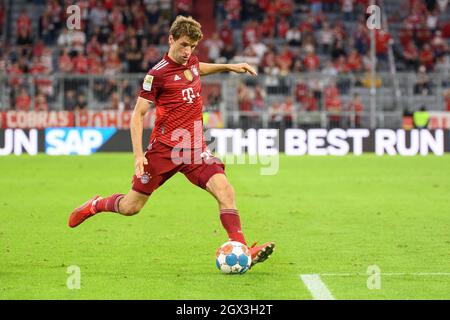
(328, 215)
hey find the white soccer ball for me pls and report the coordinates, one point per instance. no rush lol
(233, 257)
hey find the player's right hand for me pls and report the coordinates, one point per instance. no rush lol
(139, 163)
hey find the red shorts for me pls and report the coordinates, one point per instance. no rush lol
(164, 161)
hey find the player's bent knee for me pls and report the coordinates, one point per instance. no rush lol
(130, 210)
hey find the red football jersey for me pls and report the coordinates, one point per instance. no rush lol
(176, 91)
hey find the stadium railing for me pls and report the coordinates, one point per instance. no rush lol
(222, 95)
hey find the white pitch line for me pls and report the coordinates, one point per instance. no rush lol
(317, 287)
(420, 274)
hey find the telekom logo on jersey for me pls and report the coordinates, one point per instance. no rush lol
(189, 95)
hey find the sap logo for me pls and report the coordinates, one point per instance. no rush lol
(80, 141)
(17, 141)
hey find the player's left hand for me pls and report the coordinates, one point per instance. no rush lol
(243, 68)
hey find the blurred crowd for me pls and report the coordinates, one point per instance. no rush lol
(279, 37)
(331, 38)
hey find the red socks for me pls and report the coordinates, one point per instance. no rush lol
(110, 203)
(232, 224)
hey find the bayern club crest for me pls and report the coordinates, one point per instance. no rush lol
(194, 70)
(145, 178)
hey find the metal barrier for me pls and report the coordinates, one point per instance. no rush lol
(293, 100)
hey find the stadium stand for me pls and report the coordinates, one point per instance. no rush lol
(313, 57)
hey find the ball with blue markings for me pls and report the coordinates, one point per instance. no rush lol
(233, 258)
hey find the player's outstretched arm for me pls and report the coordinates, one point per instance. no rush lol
(210, 68)
(136, 128)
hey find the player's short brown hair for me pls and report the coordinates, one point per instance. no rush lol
(186, 26)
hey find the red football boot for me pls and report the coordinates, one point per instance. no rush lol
(83, 212)
(261, 253)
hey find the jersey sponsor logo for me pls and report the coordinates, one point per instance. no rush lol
(176, 78)
(194, 70)
(147, 85)
(78, 141)
(188, 75)
(188, 95)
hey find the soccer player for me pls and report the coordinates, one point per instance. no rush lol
(177, 142)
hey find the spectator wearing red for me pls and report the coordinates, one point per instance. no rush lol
(38, 49)
(355, 107)
(151, 57)
(285, 58)
(267, 27)
(80, 63)
(331, 91)
(244, 98)
(426, 57)
(285, 7)
(41, 76)
(417, 14)
(23, 101)
(260, 98)
(307, 26)
(406, 35)
(40, 102)
(282, 28)
(311, 61)
(309, 103)
(58, 14)
(24, 22)
(139, 19)
(301, 91)
(333, 104)
(288, 109)
(233, 11)
(183, 7)
(354, 61)
(15, 75)
(341, 65)
(94, 47)
(339, 30)
(2, 17)
(226, 34)
(65, 62)
(382, 39)
(95, 63)
(411, 56)
(446, 30)
(423, 34)
(108, 4)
